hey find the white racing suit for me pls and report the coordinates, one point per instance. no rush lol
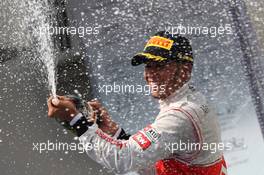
(178, 142)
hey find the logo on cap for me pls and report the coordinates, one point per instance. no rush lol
(161, 42)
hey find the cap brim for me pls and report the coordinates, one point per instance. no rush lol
(146, 57)
(139, 59)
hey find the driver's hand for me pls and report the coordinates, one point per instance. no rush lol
(62, 108)
(105, 123)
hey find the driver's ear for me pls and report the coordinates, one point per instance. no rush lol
(186, 69)
(187, 66)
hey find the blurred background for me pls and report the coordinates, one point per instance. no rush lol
(228, 70)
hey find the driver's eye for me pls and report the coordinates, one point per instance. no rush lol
(150, 65)
(155, 65)
(160, 65)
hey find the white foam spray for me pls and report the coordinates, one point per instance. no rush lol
(40, 14)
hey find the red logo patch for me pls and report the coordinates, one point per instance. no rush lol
(142, 140)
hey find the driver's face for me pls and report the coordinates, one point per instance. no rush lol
(162, 78)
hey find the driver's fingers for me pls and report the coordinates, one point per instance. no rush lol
(50, 107)
(51, 110)
(51, 113)
(95, 104)
(49, 102)
(64, 99)
(61, 97)
(93, 116)
(104, 114)
(66, 105)
(50, 97)
(53, 101)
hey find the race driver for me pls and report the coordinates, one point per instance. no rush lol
(185, 117)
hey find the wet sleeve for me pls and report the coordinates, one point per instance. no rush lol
(141, 150)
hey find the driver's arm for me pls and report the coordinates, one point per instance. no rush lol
(142, 149)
